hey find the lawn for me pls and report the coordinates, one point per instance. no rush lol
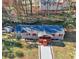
(23, 50)
(67, 52)
(13, 48)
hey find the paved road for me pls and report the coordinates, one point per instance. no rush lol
(45, 52)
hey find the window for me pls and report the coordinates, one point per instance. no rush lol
(53, 34)
(34, 34)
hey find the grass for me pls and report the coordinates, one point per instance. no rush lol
(24, 51)
(67, 52)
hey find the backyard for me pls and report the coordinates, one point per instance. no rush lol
(31, 12)
(68, 51)
(20, 49)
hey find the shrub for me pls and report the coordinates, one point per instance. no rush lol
(5, 53)
(19, 54)
(11, 55)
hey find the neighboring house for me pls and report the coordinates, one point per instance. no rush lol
(53, 6)
(41, 6)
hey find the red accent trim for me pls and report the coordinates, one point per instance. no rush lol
(34, 34)
(44, 37)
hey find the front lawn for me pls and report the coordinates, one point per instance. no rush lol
(67, 52)
(18, 49)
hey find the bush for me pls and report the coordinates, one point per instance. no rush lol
(5, 53)
(70, 22)
(11, 55)
(19, 54)
(18, 44)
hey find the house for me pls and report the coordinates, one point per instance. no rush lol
(39, 6)
(53, 6)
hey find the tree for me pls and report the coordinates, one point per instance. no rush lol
(70, 22)
(30, 6)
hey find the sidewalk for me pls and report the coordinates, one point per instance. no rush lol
(45, 52)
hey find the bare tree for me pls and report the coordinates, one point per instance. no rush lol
(48, 7)
(21, 7)
(57, 5)
(30, 6)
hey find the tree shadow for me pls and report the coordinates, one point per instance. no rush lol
(60, 44)
(30, 46)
